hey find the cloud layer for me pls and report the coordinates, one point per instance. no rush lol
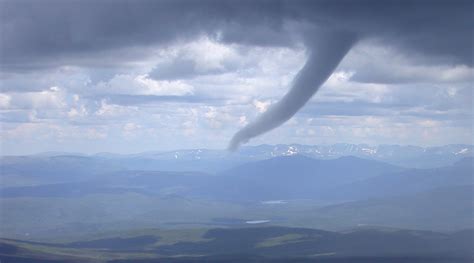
(145, 75)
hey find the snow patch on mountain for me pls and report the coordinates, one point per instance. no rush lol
(462, 151)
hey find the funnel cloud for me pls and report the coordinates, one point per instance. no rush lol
(325, 52)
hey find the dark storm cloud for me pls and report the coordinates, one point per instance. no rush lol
(178, 69)
(36, 33)
(433, 28)
(49, 30)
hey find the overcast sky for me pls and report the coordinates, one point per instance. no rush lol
(132, 76)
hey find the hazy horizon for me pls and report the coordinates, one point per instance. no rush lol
(250, 145)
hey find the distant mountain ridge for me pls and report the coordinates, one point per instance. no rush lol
(379, 152)
(211, 160)
(59, 195)
(283, 177)
(409, 181)
(293, 177)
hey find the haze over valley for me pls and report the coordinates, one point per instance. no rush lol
(60, 197)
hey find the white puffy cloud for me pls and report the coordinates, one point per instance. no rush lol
(200, 57)
(130, 129)
(143, 85)
(75, 112)
(107, 110)
(261, 106)
(53, 98)
(5, 101)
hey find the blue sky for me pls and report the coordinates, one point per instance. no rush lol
(197, 91)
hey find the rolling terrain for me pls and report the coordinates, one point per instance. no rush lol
(76, 208)
(256, 244)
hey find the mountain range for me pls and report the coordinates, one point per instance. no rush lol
(59, 195)
(212, 161)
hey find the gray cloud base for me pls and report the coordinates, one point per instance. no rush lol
(43, 34)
